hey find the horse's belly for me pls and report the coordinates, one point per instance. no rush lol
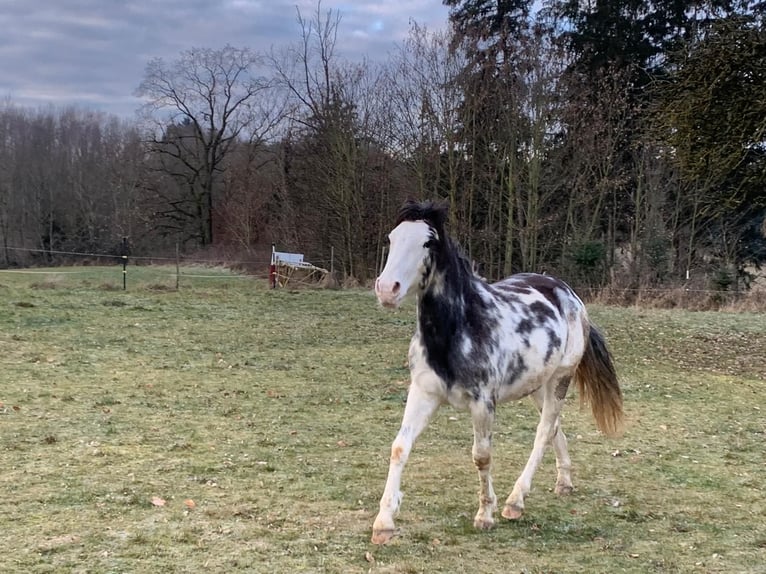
(517, 391)
(515, 386)
(460, 397)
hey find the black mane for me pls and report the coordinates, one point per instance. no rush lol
(433, 213)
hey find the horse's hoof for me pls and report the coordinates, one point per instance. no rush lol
(383, 536)
(564, 489)
(483, 523)
(512, 512)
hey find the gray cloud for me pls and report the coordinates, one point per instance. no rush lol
(92, 53)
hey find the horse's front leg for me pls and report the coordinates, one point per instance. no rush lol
(421, 405)
(483, 414)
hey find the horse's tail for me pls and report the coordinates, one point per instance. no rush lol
(597, 384)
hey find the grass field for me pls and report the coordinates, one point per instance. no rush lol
(228, 428)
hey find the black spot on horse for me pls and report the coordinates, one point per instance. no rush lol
(547, 286)
(542, 312)
(525, 326)
(516, 368)
(512, 288)
(561, 388)
(554, 342)
(438, 327)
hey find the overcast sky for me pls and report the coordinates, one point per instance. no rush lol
(92, 53)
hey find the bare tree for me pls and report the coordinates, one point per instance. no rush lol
(67, 182)
(419, 100)
(422, 96)
(592, 173)
(531, 126)
(197, 108)
(333, 144)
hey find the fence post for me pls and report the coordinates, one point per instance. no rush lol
(178, 266)
(273, 267)
(383, 251)
(124, 263)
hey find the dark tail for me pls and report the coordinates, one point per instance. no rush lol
(597, 383)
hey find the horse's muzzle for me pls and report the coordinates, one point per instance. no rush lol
(388, 293)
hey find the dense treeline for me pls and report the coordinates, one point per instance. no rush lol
(616, 142)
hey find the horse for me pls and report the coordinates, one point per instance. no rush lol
(478, 344)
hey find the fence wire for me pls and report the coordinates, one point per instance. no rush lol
(264, 262)
(181, 260)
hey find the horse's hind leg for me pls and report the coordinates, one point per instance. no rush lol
(547, 429)
(483, 414)
(563, 462)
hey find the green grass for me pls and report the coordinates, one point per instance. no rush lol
(273, 411)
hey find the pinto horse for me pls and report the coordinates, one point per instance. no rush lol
(478, 344)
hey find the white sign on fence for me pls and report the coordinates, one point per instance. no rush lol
(283, 265)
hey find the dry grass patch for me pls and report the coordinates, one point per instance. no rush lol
(262, 421)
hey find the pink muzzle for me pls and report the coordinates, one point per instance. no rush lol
(388, 292)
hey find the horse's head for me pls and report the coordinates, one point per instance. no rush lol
(419, 229)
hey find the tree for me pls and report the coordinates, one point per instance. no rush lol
(591, 172)
(634, 35)
(67, 182)
(508, 118)
(422, 97)
(334, 154)
(197, 108)
(711, 117)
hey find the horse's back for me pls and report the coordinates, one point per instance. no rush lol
(527, 288)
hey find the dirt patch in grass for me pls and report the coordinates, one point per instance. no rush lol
(735, 353)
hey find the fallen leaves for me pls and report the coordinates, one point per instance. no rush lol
(160, 502)
(5, 410)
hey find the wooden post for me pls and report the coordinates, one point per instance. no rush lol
(383, 252)
(124, 263)
(178, 266)
(273, 267)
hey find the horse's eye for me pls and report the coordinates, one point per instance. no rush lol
(430, 243)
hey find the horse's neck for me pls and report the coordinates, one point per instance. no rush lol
(444, 304)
